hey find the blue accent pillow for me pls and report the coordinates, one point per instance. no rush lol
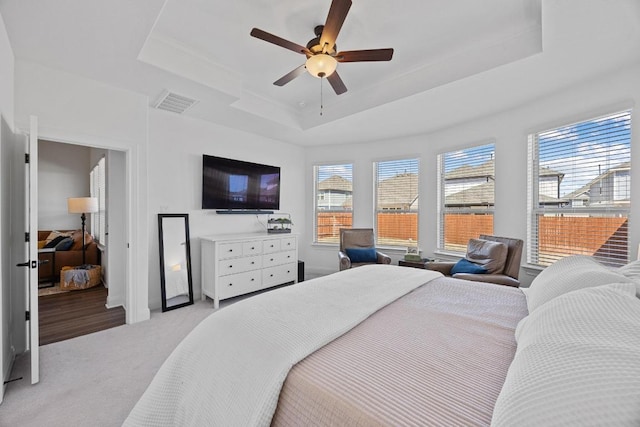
(362, 254)
(64, 244)
(466, 266)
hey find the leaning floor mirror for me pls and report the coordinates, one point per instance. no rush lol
(175, 261)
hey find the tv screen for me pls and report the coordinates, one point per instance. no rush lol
(233, 184)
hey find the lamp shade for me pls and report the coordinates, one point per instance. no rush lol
(79, 205)
(321, 65)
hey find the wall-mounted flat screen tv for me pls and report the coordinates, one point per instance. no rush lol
(229, 184)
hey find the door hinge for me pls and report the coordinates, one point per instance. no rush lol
(27, 237)
(26, 157)
(27, 316)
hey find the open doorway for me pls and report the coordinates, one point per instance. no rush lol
(71, 305)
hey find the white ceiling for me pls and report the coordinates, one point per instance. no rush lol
(453, 61)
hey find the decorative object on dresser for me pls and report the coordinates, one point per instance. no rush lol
(82, 205)
(279, 223)
(239, 264)
(176, 285)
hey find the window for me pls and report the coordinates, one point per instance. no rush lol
(98, 189)
(333, 201)
(397, 202)
(466, 195)
(579, 191)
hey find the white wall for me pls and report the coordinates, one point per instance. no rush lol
(175, 183)
(6, 127)
(77, 110)
(509, 130)
(63, 172)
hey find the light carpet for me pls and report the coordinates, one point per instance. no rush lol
(96, 379)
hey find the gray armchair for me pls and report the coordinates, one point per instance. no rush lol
(508, 275)
(362, 240)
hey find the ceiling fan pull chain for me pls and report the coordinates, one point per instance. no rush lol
(321, 100)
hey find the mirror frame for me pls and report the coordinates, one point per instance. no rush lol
(161, 245)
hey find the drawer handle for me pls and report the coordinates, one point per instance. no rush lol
(230, 284)
(253, 280)
(271, 245)
(271, 259)
(230, 250)
(288, 256)
(230, 266)
(271, 275)
(253, 262)
(288, 271)
(252, 247)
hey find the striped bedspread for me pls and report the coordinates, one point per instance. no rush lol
(229, 370)
(437, 356)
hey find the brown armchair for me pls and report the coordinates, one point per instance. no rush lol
(508, 275)
(359, 239)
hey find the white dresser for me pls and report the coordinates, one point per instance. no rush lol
(237, 264)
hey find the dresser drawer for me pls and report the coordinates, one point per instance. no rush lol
(238, 284)
(279, 274)
(270, 245)
(278, 258)
(288, 243)
(239, 265)
(252, 248)
(230, 250)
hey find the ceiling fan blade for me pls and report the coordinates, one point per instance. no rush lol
(279, 41)
(290, 76)
(336, 83)
(337, 14)
(365, 55)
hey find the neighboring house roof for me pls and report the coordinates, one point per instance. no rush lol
(335, 182)
(478, 195)
(487, 169)
(583, 192)
(484, 195)
(400, 191)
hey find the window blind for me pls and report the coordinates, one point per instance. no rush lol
(396, 184)
(97, 182)
(466, 196)
(580, 191)
(333, 201)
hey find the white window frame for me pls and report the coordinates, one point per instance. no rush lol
(441, 200)
(578, 209)
(97, 183)
(335, 240)
(397, 210)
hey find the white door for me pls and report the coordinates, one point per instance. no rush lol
(31, 248)
(32, 212)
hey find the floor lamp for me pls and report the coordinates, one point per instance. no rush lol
(82, 205)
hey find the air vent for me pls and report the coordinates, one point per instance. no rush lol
(175, 103)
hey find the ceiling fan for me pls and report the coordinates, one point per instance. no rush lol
(322, 58)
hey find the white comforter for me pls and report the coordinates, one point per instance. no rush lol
(229, 370)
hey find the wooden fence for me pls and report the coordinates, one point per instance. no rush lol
(602, 237)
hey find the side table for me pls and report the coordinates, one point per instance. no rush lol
(47, 256)
(415, 264)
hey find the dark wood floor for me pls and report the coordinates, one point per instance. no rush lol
(71, 314)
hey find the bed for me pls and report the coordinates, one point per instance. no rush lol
(388, 345)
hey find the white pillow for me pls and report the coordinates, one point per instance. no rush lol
(570, 274)
(632, 271)
(577, 362)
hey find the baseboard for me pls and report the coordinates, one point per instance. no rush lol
(114, 302)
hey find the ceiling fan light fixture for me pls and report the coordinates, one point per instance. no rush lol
(321, 65)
